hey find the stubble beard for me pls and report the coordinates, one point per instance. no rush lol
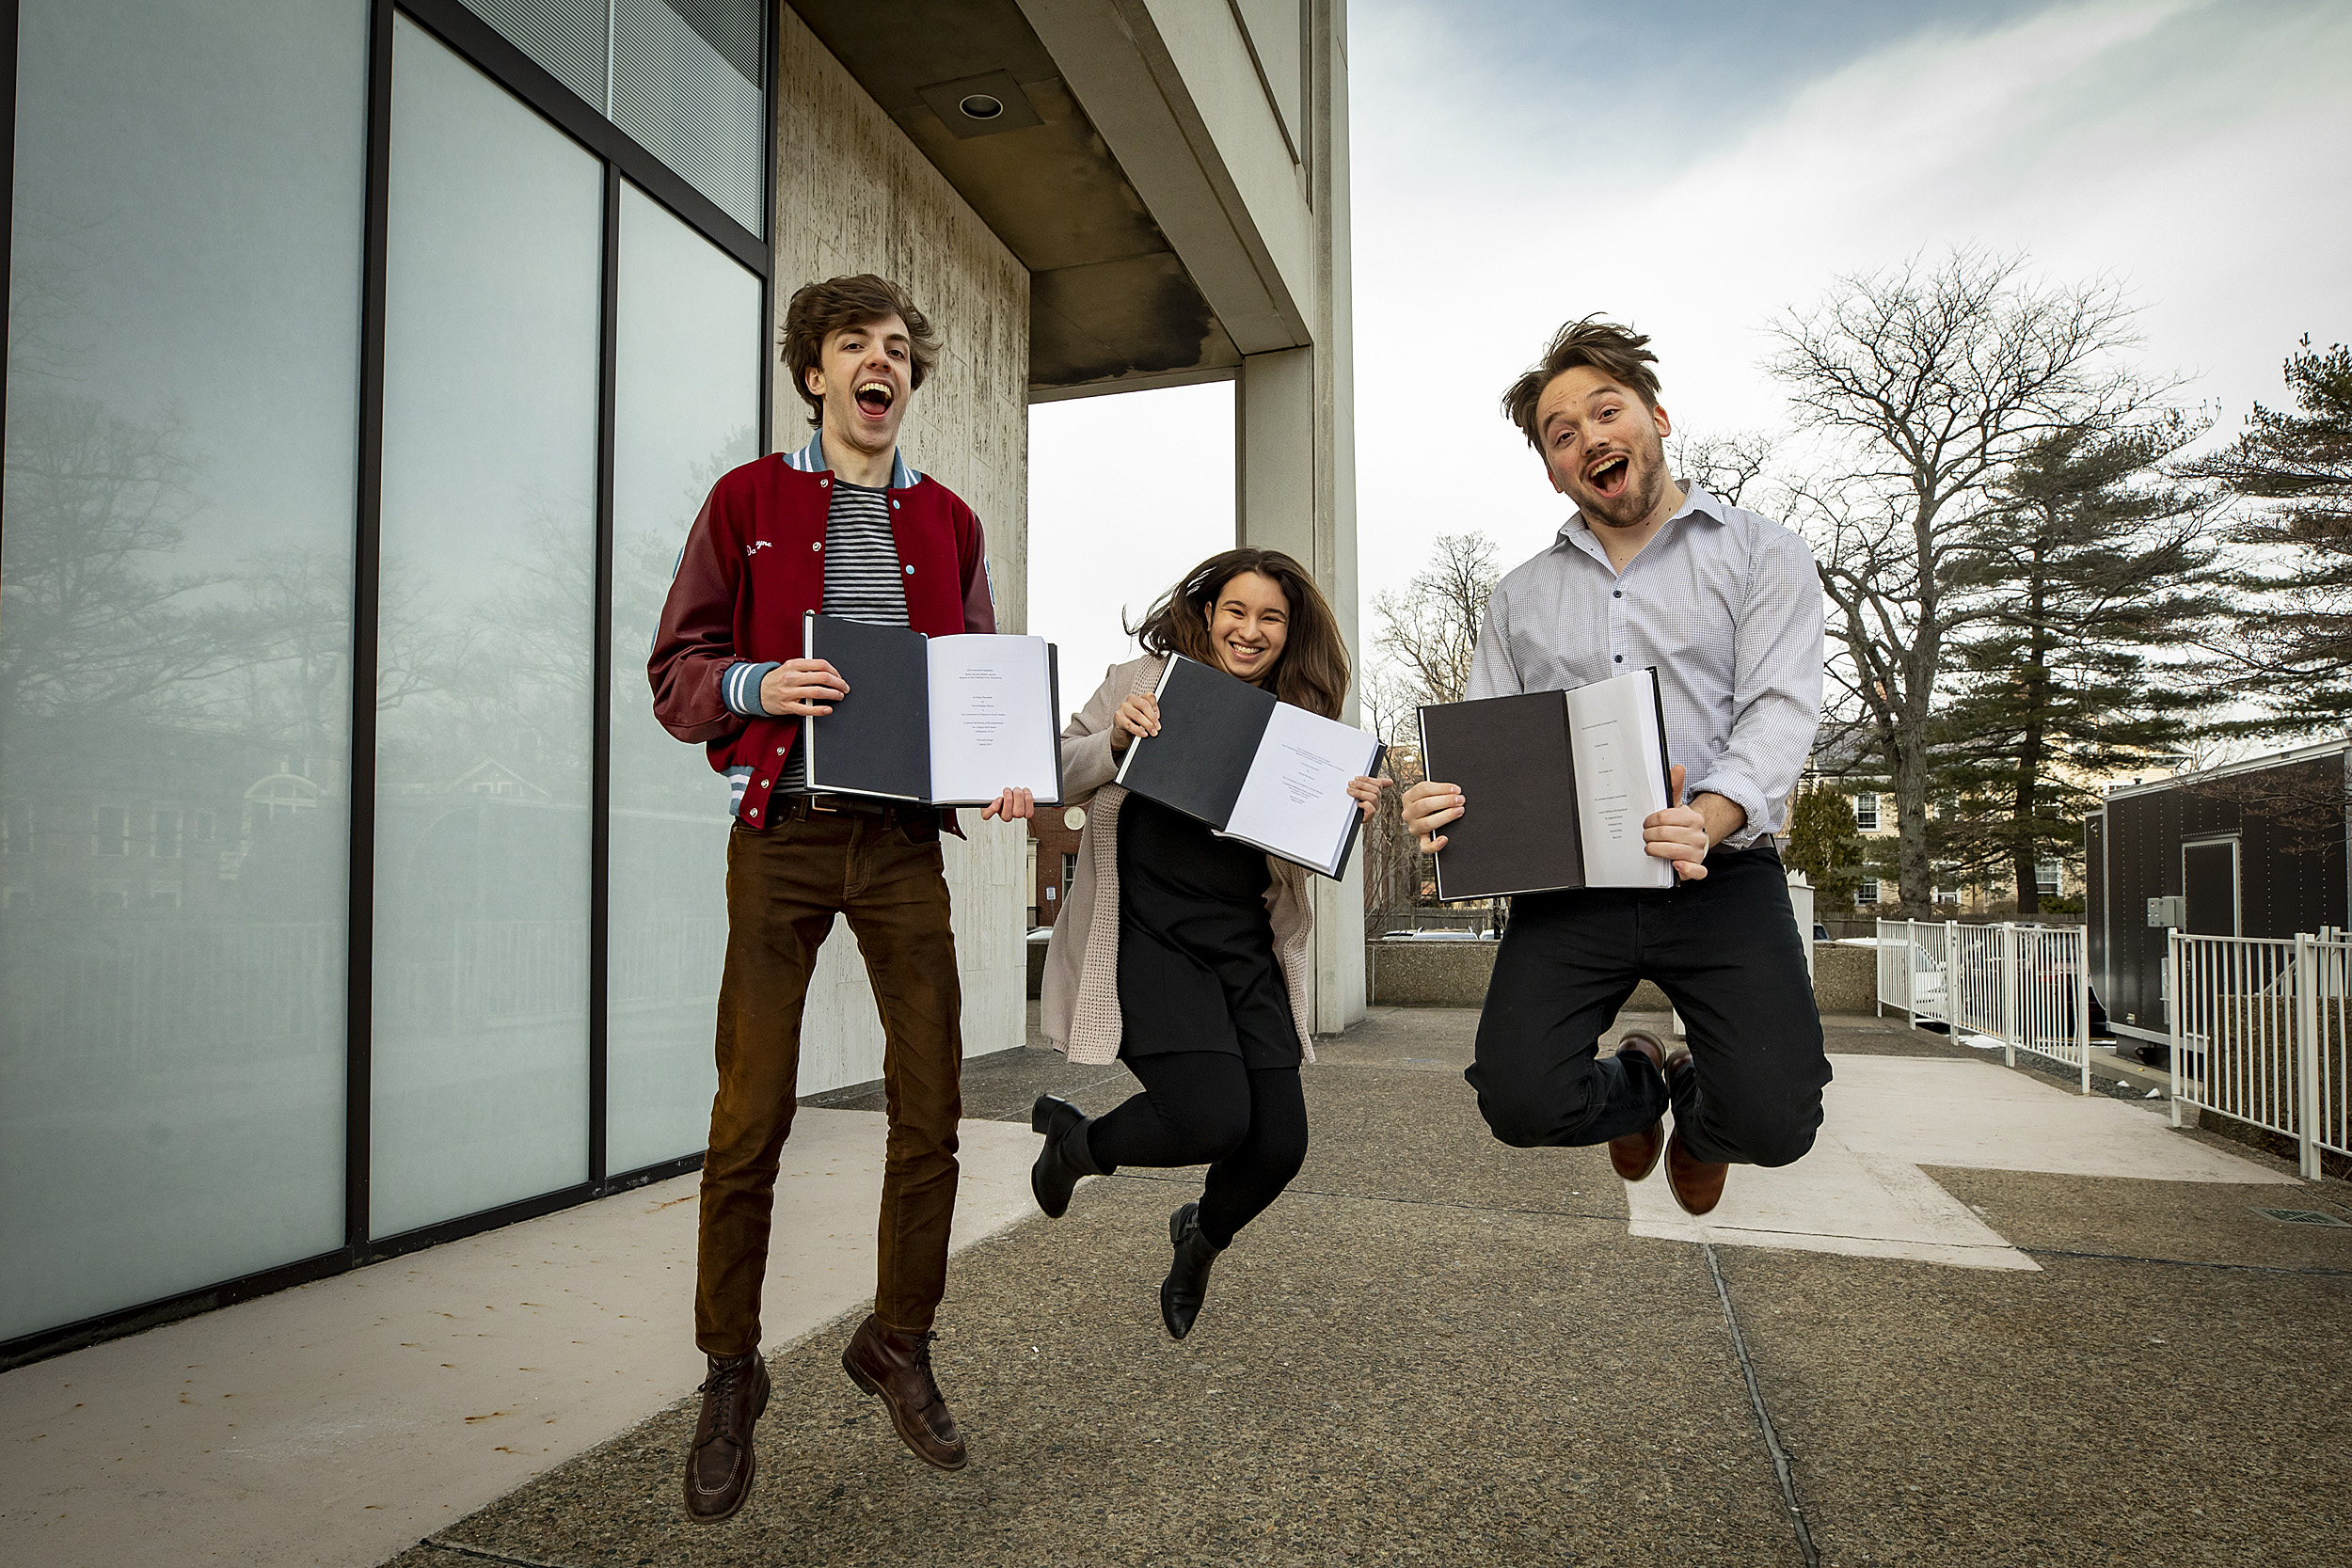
(1640, 500)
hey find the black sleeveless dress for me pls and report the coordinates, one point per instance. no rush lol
(1196, 946)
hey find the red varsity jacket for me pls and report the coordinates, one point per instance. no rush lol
(754, 563)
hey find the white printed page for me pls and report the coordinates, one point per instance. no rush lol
(1620, 779)
(991, 715)
(1295, 802)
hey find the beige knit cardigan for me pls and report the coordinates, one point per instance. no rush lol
(1080, 994)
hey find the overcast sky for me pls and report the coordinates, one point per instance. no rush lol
(1694, 166)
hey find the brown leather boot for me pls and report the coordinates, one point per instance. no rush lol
(1697, 1184)
(720, 1466)
(897, 1369)
(1635, 1155)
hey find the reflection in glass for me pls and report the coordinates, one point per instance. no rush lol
(682, 77)
(688, 403)
(485, 685)
(174, 646)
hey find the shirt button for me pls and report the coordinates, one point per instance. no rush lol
(779, 750)
(762, 782)
(754, 810)
(910, 571)
(894, 506)
(818, 546)
(824, 484)
(1618, 593)
(1621, 658)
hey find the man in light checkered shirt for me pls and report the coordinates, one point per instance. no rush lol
(1727, 605)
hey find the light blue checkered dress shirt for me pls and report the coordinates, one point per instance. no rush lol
(1728, 605)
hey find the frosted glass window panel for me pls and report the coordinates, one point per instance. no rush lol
(684, 78)
(686, 86)
(689, 355)
(485, 681)
(175, 626)
(570, 40)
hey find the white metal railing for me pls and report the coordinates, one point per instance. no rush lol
(2028, 987)
(2259, 1034)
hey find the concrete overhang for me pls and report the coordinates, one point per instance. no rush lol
(1132, 162)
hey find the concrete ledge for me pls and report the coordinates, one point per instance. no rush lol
(1845, 979)
(1408, 973)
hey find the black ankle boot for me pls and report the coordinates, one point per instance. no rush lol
(1065, 1157)
(1187, 1282)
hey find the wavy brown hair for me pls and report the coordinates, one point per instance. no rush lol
(820, 309)
(1310, 672)
(1616, 352)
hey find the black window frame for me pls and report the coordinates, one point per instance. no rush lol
(480, 45)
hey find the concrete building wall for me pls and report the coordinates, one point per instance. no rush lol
(853, 195)
(1295, 450)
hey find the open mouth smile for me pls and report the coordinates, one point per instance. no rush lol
(1241, 654)
(1610, 475)
(874, 399)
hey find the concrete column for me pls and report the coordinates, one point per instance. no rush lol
(1295, 457)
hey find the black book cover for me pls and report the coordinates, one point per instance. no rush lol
(1518, 831)
(1210, 726)
(1052, 678)
(1665, 756)
(877, 740)
(1355, 820)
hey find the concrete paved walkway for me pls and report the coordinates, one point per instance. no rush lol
(335, 1423)
(1986, 1322)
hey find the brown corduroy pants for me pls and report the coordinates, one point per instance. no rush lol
(785, 886)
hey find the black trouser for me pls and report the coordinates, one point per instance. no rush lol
(1204, 1107)
(1727, 952)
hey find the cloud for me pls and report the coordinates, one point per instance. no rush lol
(2190, 150)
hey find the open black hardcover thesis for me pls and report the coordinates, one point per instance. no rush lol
(1256, 769)
(943, 721)
(1555, 788)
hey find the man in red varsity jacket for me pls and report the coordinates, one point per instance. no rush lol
(843, 526)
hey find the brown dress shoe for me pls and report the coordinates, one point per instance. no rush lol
(897, 1367)
(1697, 1184)
(720, 1466)
(1635, 1155)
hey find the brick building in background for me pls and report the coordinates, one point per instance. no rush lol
(1053, 859)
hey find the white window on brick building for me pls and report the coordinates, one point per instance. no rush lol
(1866, 812)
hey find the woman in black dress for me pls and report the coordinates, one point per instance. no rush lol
(1208, 938)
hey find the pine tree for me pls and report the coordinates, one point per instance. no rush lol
(2293, 650)
(2090, 563)
(1825, 845)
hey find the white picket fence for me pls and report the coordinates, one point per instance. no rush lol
(2028, 987)
(2260, 1034)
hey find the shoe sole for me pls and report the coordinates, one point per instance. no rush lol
(750, 1474)
(898, 1422)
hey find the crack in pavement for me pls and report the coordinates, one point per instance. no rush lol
(1763, 1418)
(435, 1543)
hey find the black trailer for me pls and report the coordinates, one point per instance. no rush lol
(2255, 848)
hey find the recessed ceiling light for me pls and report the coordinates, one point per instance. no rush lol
(988, 103)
